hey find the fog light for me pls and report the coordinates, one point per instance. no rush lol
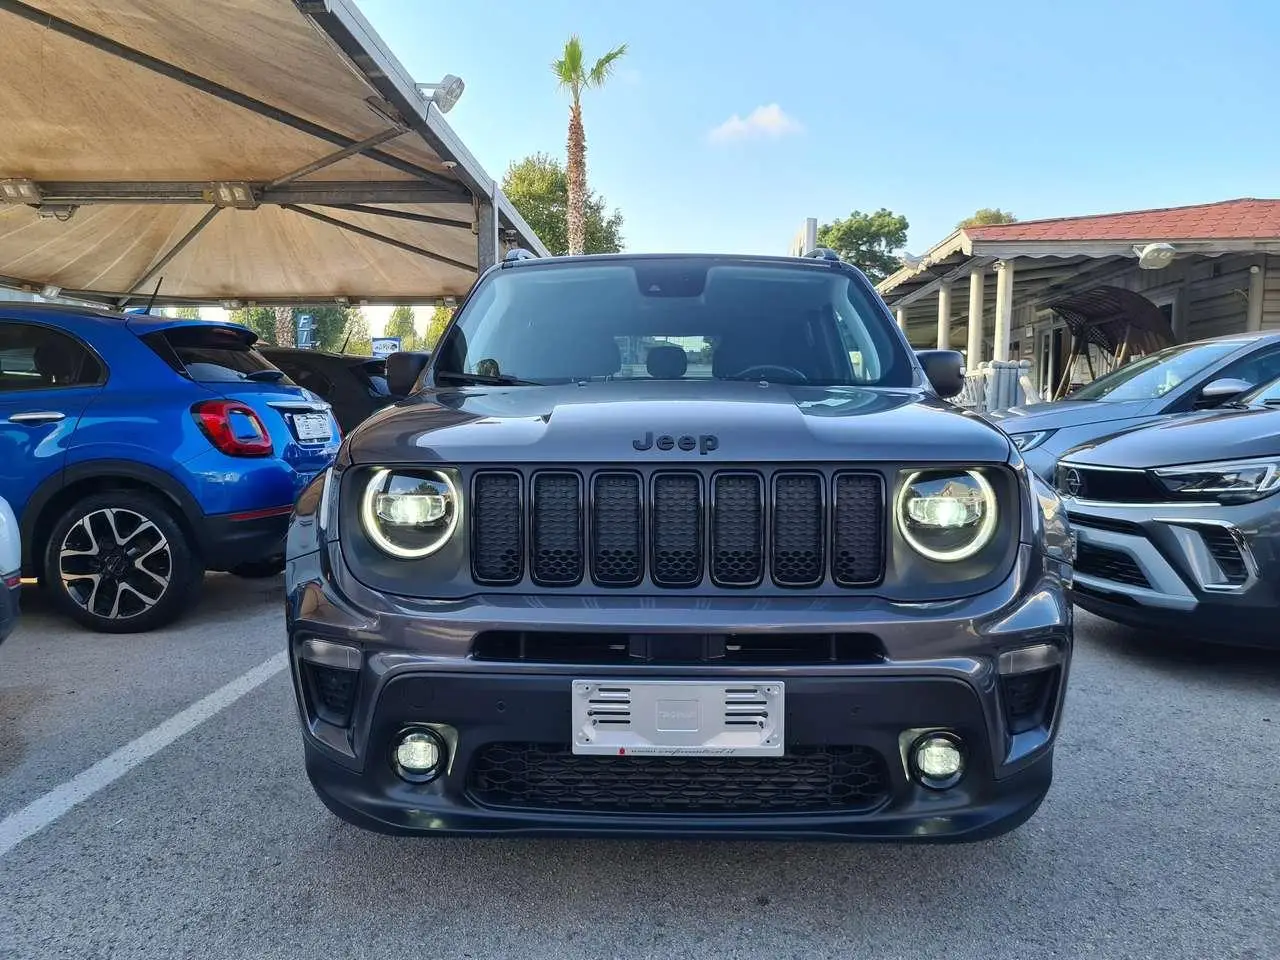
(937, 760)
(418, 756)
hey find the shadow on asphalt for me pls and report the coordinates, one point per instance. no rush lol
(222, 597)
(1180, 657)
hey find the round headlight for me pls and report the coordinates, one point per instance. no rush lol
(410, 514)
(947, 515)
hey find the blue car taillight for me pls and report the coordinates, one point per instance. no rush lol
(234, 428)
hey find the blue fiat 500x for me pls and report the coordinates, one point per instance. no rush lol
(139, 451)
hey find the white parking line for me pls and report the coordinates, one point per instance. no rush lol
(43, 811)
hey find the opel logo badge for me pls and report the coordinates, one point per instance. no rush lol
(1073, 482)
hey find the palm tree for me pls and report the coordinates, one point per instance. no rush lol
(284, 326)
(573, 75)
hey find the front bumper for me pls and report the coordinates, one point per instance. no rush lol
(229, 540)
(930, 667)
(1203, 571)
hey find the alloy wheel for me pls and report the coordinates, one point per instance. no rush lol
(115, 563)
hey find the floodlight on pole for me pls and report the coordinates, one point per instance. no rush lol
(444, 94)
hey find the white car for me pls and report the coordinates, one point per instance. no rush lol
(10, 568)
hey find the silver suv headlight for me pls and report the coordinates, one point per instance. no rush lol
(946, 515)
(1232, 481)
(410, 514)
(1031, 440)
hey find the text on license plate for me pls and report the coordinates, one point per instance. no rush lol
(677, 718)
(312, 426)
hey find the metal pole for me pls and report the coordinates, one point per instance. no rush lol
(176, 249)
(373, 235)
(333, 158)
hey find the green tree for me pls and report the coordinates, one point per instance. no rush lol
(261, 320)
(868, 240)
(571, 70)
(539, 188)
(986, 217)
(357, 339)
(187, 313)
(435, 326)
(400, 324)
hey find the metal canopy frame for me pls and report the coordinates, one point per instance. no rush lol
(404, 108)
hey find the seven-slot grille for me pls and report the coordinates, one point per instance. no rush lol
(733, 528)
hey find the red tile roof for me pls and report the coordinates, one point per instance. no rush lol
(1244, 219)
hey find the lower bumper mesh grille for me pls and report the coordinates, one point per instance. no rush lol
(1107, 564)
(537, 776)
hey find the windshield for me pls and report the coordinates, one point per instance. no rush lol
(1157, 373)
(674, 319)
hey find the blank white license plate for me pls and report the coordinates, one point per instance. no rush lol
(671, 718)
(312, 426)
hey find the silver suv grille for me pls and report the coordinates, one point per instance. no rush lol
(677, 528)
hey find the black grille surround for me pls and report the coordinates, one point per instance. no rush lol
(1109, 486)
(678, 528)
(549, 776)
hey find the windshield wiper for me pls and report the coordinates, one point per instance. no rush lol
(501, 380)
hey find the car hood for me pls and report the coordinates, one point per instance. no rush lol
(1190, 438)
(1066, 413)
(625, 421)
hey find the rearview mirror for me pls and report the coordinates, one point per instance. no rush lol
(403, 370)
(945, 370)
(1222, 390)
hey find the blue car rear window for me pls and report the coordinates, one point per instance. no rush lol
(208, 354)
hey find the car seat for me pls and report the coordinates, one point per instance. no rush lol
(666, 362)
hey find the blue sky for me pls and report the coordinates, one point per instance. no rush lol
(930, 109)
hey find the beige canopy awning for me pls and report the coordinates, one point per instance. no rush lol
(236, 151)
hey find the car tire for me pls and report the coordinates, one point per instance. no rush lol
(259, 570)
(120, 562)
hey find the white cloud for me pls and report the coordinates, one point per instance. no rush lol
(765, 122)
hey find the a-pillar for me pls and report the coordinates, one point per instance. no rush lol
(977, 294)
(486, 233)
(944, 315)
(1004, 309)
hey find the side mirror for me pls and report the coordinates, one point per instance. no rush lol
(403, 370)
(945, 370)
(1219, 391)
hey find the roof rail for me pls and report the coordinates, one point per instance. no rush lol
(518, 253)
(823, 253)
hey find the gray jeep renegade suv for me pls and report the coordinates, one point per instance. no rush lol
(679, 545)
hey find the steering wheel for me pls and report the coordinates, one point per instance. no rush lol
(760, 371)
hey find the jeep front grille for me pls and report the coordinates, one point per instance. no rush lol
(677, 528)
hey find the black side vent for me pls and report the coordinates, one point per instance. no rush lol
(797, 530)
(617, 532)
(497, 533)
(1222, 546)
(677, 530)
(737, 530)
(557, 529)
(858, 529)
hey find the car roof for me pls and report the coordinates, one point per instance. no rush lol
(138, 323)
(537, 263)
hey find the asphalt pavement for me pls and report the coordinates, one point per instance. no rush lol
(1160, 837)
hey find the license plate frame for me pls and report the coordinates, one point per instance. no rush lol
(312, 427)
(678, 718)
